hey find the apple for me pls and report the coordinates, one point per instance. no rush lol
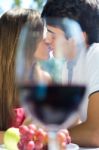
(11, 138)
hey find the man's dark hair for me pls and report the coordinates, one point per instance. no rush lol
(89, 21)
(61, 8)
(83, 11)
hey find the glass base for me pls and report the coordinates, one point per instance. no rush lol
(52, 142)
(72, 146)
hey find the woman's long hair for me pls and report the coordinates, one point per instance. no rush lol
(11, 24)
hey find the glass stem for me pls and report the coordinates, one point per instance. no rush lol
(53, 144)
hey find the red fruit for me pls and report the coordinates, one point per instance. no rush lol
(61, 137)
(67, 138)
(65, 131)
(38, 145)
(30, 145)
(45, 142)
(24, 139)
(23, 129)
(30, 134)
(42, 135)
(20, 146)
(63, 145)
(32, 126)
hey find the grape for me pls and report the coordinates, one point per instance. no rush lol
(45, 147)
(20, 146)
(24, 139)
(64, 138)
(38, 145)
(32, 138)
(23, 129)
(42, 135)
(63, 145)
(32, 126)
(65, 131)
(30, 134)
(61, 137)
(45, 139)
(68, 139)
(30, 145)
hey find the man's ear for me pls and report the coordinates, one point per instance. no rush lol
(85, 39)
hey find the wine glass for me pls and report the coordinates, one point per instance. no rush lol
(51, 80)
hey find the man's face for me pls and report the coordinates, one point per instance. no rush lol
(61, 47)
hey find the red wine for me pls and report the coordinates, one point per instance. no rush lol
(52, 104)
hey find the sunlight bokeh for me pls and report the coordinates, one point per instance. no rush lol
(7, 4)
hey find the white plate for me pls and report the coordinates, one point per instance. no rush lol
(83, 148)
(72, 146)
(2, 147)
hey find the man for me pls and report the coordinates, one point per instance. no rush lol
(86, 13)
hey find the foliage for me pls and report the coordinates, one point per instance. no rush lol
(39, 3)
(16, 3)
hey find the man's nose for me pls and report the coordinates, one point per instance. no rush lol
(48, 39)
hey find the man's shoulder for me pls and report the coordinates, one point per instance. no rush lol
(94, 48)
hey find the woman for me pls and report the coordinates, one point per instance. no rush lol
(11, 24)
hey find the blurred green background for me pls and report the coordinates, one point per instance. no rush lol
(7, 4)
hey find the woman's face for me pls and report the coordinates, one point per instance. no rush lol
(42, 51)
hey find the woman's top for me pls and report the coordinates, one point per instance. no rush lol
(19, 117)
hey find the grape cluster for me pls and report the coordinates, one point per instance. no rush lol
(32, 138)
